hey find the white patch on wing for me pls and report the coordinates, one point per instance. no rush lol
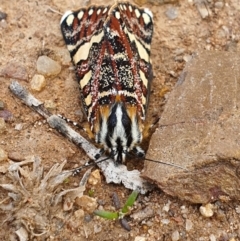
(83, 51)
(88, 99)
(137, 13)
(85, 80)
(143, 78)
(141, 48)
(146, 18)
(67, 13)
(90, 12)
(117, 15)
(80, 15)
(146, 10)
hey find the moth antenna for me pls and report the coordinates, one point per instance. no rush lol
(167, 163)
(147, 159)
(87, 164)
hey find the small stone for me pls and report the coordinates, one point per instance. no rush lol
(21, 35)
(3, 155)
(175, 236)
(189, 224)
(2, 15)
(49, 104)
(68, 204)
(219, 5)
(143, 214)
(203, 9)
(187, 57)
(18, 127)
(207, 210)
(95, 177)
(88, 204)
(6, 115)
(166, 207)
(79, 213)
(2, 105)
(171, 13)
(38, 82)
(15, 71)
(97, 228)
(165, 221)
(139, 238)
(15, 156)
(47, 66)
(3, 23)
(212, 237)
(2, 125)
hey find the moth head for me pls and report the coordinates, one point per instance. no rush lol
(120, 132)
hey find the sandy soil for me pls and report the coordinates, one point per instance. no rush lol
(31, 29)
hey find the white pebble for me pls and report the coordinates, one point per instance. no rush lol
(3, 155)
(166, 207)
(165, 221)
(38, 82)
(139, 238)
(189, 224)
(175, 236)
(207, 210)
(172, 13)
(47, 66)
(212, 237)
(18, 127)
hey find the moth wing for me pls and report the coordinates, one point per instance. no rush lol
(83, 33)
(128, 32)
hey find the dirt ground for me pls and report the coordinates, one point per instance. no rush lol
(31, 29)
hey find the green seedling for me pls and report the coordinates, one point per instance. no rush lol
(120, 214)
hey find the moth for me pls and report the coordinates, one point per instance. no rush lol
(110, 49)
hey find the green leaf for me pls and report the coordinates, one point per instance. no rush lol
(130, 201)
(106, 214)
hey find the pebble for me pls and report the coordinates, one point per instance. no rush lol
(97, 228)
(212, 237)
(2, 15)
(172, 13)
(207, 210)
(6, 115)
(219, 5)
(49, 104)
(79, 213)
(18, 127)
(139, 238)
(21, 35)
(175, 236)
(2, 105)
(38, 82)
(165, 221)
(166, 207)
(15, 71)
(47, 67)
(2, 125)
(15, 156)
(143, 214)
(3, 23)
(3, 155)
(67, 204)
(203, 9)
(95, 177)
(88, 204)
(187, 57)
(189, 224)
